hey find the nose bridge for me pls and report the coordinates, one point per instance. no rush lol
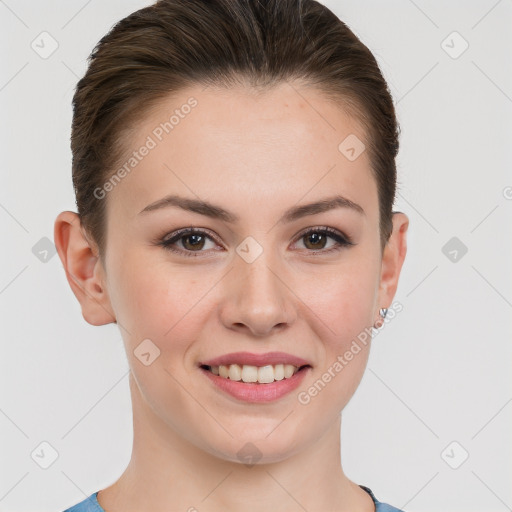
(260, 279)
(260, 299)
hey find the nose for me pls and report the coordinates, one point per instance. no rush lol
(257, 299)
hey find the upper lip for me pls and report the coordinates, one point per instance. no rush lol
(249, 358)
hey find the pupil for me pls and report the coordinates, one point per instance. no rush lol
(316, 237)
(195, 238)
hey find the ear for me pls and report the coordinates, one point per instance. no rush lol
(84, 270)
(392, 261)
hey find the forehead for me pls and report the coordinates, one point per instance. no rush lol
(237, 145)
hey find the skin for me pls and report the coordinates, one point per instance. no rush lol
(255, 155)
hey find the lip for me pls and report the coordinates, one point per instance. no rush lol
(254, 392)
(249, 358)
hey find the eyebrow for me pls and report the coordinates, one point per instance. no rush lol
(216, 212)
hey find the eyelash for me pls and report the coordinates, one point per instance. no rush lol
(342, 241)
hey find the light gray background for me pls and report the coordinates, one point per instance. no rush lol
(440, 372)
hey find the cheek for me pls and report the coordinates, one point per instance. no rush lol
(162, 303)
(343, 302)
(345, 331)
(154, 299)
(341, 306)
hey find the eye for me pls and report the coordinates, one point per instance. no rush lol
(316, 239)
(194, 240)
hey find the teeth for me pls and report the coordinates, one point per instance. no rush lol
(260, 374)
(264, 374)
(235, 372)
(279, 372)
(289, 370)
(249, 373)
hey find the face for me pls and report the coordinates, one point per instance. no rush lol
(260, 274)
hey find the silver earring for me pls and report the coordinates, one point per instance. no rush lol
(382, 312)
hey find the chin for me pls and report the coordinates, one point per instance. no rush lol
(252, 447)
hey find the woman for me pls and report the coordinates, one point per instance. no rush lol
(234, 170)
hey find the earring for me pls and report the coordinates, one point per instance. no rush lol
(382, 312)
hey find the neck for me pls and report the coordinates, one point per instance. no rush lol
(166, 472)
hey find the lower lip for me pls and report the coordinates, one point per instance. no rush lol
(254, 392)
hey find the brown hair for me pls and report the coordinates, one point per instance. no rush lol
(163, 48)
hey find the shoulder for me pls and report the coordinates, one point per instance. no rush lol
(90, 504)
(384, 507)
(379, 505)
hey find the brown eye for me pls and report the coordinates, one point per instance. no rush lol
(315, 240)
(192, 241)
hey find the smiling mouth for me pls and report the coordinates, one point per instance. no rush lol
(255, 374)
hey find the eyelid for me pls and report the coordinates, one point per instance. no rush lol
(341, 240)
(175, 235)
(167, 241)
(334, 233)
